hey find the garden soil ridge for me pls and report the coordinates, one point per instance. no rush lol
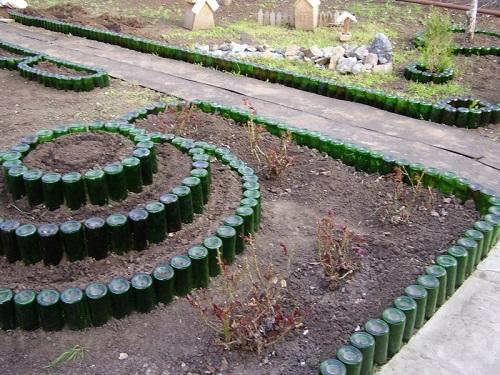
(440, 146)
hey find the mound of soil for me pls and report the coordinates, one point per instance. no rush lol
(77, 14)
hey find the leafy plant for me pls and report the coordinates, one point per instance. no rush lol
(252, 313)
(75, 353)
(437, 50)
(339, 249)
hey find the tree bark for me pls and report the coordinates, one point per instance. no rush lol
(472, 20)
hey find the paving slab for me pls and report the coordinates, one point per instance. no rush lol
(459, 150)
(463, 337)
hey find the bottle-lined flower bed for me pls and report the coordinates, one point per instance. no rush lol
(468, 51)
(83, 79)
(382, 338)
(418, 73)
(467, 112)
(11, 55)
(117, 233)
(421, 109)
(75, 308)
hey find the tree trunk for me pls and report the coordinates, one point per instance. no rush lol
(471, 26)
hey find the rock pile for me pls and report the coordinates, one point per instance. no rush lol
(346, 58)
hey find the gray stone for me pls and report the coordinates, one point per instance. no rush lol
(260, 48)
(357, 68)
(382, 47)
(225, 47)
(328, 51)
(251, 49)
(361, 52)
(202, 47)
(368, 67)
(313, 51)
(345, 64)
(235, 47)
(322, 61)
(218, 53)
(214, 47)
(292, 50)
(371, 58)
(350, 50)
(383, 68)
(337, 53)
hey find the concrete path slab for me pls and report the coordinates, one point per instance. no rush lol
(436, 145)
(463, 337)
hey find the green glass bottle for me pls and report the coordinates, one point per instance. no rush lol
(74, 190)
(133, 174)
(50, 310)
(380, 331)
(28, 244)
(7, 316)
(118, 233)
(182, 274)
(26, 311)
(157, 222)
(200, 266)
(237, 222)
(172, 212)
(143, 292)
(76, 312)
(185, 203)
(194, 183)
(99, 303)
(73, 240)
(52, 190)
(396, 320)
(96, 237)
(121, 297)
(409, 307)
(439, 273)
(366, 344)
(431, 285)
(352, 358)
(419, 294)
(96, 187)
(116, 181)
(163, 278)
(449, 263)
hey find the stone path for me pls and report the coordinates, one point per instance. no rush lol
(461, 151)
(462, 338)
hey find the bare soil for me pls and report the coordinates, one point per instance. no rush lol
(5, 53)
(481, 40)
(59, 69)
(173, 339)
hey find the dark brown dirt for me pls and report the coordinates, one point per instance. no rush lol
(481, 40)
(292, 205)
(79, 152)
(173, 167)
(59, 69)
(5, 53)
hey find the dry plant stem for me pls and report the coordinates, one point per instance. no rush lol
(183, 119)
(251, 315)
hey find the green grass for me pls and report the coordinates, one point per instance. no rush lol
(75, 353)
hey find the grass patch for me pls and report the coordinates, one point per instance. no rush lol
(75, 353)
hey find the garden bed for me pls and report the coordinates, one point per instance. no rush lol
(313, 185)
(50, 67)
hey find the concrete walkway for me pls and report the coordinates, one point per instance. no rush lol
(463, 337)
(441, 146)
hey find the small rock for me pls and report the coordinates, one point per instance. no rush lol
(368, 67)
(292, 50)
(350, 50)
(382, 47)
(313, 51)
(122, 356)
(235, 47)
(202, 47)
(323, 60)
(260, 48)
(371, 58)
(214, 47)
(328, 51)
(345, 64)
(337, 53)
(251, 49)
(361, 52)
(434, 213)
(383, 68)
(357, 68)
(225, 47)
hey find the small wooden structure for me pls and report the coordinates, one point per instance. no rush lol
(200, 14)
(306, 14)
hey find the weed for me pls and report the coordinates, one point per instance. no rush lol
(339, 249)
(253, 315)
(437, 50)
(183, 118)
(75, 353)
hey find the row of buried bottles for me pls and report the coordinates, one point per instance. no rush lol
(99, 302)
(96, 186)
(418, 73)
(87, 82)
(410, 107)
(118, 233)
(382, 338)
(10, 62)
(362, 158)
(468, 51)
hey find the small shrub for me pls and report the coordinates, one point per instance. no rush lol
(339, 249)
(437, 50)
(252, 313)
(276, 161)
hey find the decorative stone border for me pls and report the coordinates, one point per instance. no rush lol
(418, 73)
(421, 109)
(467, 51)
(94, 306)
